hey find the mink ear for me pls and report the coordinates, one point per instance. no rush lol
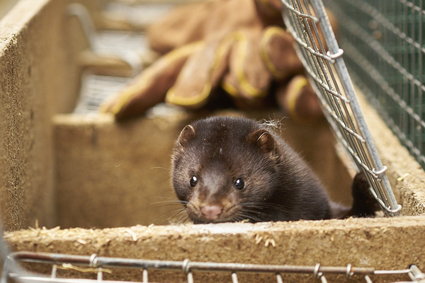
(263, 139)
(187, 134)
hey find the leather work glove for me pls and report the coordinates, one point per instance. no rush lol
(197, 21)
(244, 53)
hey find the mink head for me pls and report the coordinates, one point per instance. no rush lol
(224, 169)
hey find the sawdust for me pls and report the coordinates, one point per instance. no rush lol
(370, 242)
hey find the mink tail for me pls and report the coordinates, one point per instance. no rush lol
(364, 204)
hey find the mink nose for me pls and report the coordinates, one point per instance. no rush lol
(211, 211)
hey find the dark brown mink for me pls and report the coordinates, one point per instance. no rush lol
(227, 169)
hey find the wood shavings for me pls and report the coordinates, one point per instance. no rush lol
(258, 239)
(269, 242)
(132, 234)
(149, 227)
(36, 225)
(402, 177)
(81, 241)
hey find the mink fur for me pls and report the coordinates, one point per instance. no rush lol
(213, 155)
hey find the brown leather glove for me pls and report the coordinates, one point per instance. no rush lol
(243, 55)
(149, 88)
(299, 101)
(198, 21)
(244, 63)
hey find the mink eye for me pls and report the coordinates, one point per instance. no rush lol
(239, 184)
(193, 181)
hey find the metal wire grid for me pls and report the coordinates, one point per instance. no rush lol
(100, 265)
(96, 89)
(318, 49)
(385, 49)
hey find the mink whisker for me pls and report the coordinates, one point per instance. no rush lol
(179, 217)
(162, 168)
(216, 150)
(265, 205)
(170, 202)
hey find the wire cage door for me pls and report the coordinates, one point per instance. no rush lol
(321, 56)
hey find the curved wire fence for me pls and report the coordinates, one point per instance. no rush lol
(318, 49)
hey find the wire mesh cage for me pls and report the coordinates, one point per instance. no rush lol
(318, 49)
(99, 266)
(384, 40)
(321, 57)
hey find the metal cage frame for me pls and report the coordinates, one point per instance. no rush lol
(99, 265)
(321, 56)
(307, 21)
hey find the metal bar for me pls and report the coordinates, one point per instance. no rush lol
(416, 274)
(323, 279)
(323, 69)
(342, 116)
(234, 277)
(367, 279)
(189, 277)
(316, 65)
(100, 275)
(176, 265)
(319, 272)
(391, 207)
(279, 278)
(54, 271)
(364, 160)
(41, 279)
(298, 13)
(145, 275)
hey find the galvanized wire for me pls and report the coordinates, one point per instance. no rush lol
(98, 264)
(96, 89)
(321, 56)
(385, 51)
